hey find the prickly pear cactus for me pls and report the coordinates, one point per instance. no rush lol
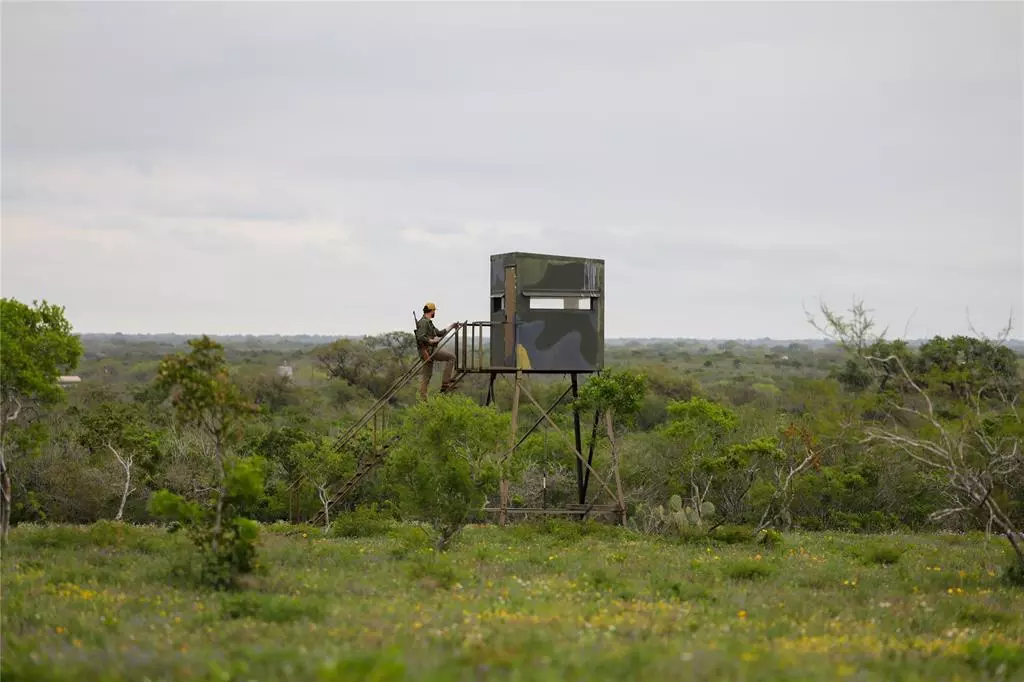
(693, 516)
(680, 521)
(675, 503)
(707, 509)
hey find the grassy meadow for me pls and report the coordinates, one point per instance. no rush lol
(546, 600)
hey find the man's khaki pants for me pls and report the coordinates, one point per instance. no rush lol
(427, 372)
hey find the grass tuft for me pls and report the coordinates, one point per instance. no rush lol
(747, 569)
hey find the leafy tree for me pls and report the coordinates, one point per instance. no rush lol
(447, 458)
(372, 363)
(969, 369)
(36, 347)
(277, 446)
(400, 346)
(273, 392)
(121, 429)
(204, 396)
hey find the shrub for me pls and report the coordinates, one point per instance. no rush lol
(732, 535)
(450, 453)
(363, 522)
(747, 569)
(271, 608)
(771, 539)
(434, 568)
(882, 554)
(227, 550)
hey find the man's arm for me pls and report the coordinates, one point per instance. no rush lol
(438, 333)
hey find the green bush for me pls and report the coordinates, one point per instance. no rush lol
(881, 553)
(225, 553)
(434, 568)
(363, 522)
(449, 456)
(771, 539)
(732, 535)
(747, 569)
(271, 608)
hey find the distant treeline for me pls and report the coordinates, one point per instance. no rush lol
(180, 340)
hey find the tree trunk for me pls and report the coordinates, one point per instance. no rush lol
(1007, 526)
(124, 495)
(5, 501)
(325, 500)
(5, 473)
(1016, 546)
(126, 464)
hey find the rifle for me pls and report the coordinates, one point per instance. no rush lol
(424, 353)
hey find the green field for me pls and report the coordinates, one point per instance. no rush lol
(535, 601)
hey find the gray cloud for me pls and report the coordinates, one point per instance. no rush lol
(314, 167)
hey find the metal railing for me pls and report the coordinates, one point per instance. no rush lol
(470, 348)
(395, 387)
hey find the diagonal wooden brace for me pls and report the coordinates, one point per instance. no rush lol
(568, 442)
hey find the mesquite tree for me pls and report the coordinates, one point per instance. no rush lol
(204, 396)
(449, 454)
(698, 430)
(36, 347)
(953, 406)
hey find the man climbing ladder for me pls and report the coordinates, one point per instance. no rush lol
(427, 338)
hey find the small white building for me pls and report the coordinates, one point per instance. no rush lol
(285, 371)
(69, 380)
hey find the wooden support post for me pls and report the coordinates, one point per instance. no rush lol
(580, 490)
(480, 358)
(513, 439)
(615, 465)
(590, 455)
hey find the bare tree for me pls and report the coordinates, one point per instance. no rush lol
(954, 408)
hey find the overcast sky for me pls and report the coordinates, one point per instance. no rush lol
(327, 168)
